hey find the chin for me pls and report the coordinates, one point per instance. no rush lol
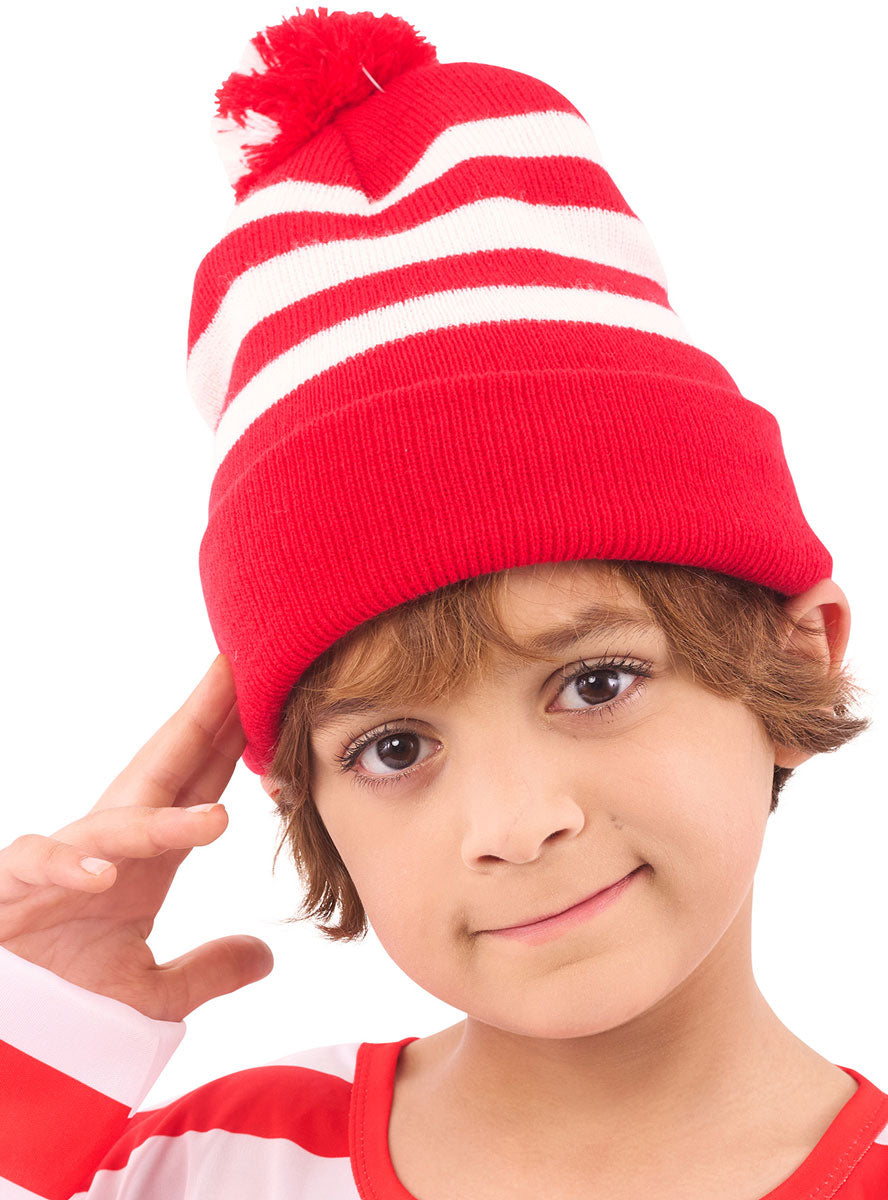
(556, 1016)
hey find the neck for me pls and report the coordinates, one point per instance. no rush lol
(711, 1051)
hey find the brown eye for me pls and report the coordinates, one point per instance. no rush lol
(597, 687)
(383, 755)
(397, 750)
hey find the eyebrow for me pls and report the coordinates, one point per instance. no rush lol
(596, 620)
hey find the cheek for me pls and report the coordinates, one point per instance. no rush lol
(398, 886)
(702, 804)
(411, 917)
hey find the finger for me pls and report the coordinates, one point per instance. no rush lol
(179, 748)
(142, 832)
(213, 776)
(215, 969)
(32, 860)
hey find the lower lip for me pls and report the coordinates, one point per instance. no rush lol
(541, 931)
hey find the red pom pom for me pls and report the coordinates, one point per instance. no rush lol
(302, 72)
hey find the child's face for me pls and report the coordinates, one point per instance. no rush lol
(522, 800)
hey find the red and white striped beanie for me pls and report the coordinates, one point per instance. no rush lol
(434, 342)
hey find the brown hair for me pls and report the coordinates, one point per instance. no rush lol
(730, 635)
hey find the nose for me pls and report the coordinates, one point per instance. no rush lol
(511, 812)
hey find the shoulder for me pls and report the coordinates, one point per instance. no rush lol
(303, 1097)
(338, 1060)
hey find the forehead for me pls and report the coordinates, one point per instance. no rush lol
(545, 609)
(545, 593)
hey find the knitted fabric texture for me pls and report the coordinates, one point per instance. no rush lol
(434, 342)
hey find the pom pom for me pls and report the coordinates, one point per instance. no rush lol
(296, 76)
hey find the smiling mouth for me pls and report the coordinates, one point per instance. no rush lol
(562, 911)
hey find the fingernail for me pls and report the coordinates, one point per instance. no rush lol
(202, 807)
(95, 866)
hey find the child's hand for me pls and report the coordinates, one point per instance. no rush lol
(92, 929)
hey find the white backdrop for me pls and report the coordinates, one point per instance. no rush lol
(745, 140)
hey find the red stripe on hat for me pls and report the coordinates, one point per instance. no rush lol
(420, 105)
(293, 324)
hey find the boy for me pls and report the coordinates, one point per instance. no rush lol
(436, 332)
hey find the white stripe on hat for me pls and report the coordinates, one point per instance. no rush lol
(599, 235)
(419, 314)
(524, 135)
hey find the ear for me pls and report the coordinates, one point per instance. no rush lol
(269, 786)
(825, 606)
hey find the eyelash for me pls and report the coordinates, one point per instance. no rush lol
(352, 750)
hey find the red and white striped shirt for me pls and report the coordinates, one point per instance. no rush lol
(75, 1066)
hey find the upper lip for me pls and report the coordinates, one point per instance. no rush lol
(559, 911)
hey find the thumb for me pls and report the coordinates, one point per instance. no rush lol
(217, 968)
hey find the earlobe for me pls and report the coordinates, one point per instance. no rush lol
(824, 607)
(792, 758)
